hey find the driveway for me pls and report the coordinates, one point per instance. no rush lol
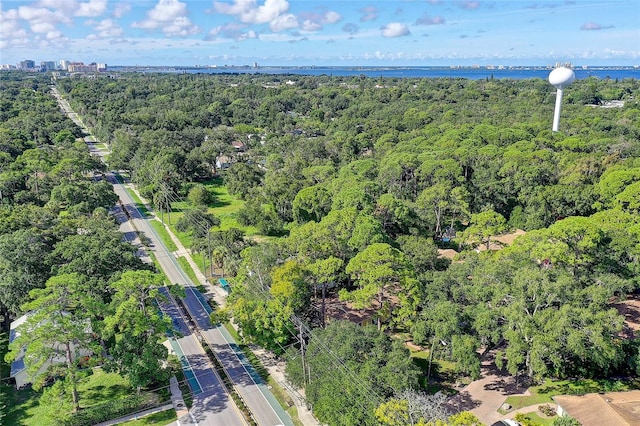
(484, 397)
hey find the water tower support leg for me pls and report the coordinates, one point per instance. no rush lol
(556, 114)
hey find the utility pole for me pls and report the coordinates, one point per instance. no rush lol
(304, 370)
(324, 289)
(210, 258)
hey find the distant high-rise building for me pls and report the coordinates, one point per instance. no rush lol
(47, 65)
(64, 64)
(101, 66)
(27, 64)
(81, 67)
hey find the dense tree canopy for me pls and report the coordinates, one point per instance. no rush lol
(360, 181)
(63, 261)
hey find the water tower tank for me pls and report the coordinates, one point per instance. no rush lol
(561, 77)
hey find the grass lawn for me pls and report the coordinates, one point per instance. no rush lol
(186, 267)
(225, 207)
(162, 418)
(537, 420)
(164, 235)
(443, 373)
(101, 387)
(23, 407)
(542, 394)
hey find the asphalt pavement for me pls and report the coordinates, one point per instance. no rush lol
(212, 405)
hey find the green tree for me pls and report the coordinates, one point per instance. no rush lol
(217, 143)
(199, 195)
(311, 203)
(395, 215)
(241, 178)
(376, 271)
(483, 226)
(57, 332)
(94, 248)
(136, 327)
(349, 371)
(290, 286)
(25, 264)
(81, 197)
(422, 253)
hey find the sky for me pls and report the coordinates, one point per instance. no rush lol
(321, 33)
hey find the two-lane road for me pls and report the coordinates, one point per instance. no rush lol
(212, 405)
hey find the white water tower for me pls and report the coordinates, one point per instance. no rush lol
(560, 77)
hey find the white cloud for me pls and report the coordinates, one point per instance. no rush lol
(108, 28)
(395, 29)
(8, 22)
(234, 31)
(249, 12)
(121, 9)
(180, 27)
(284, 22)
(11, 34)
(171, 17)
(91, 8)
(41, 19)
(54, 35)
(66, 6)
(469, 5)
(369, 13)
(227, 30)
(592, 26)
(315, 21)
(332, 17)
(311, 26)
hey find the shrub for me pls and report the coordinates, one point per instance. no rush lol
(547, 410)
(111, 410)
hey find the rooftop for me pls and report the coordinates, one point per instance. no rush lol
(597, 409)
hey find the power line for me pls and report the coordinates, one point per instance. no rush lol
(304, 333)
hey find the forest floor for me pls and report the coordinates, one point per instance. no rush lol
(630, 310)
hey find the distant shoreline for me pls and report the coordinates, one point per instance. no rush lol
(467, 72)
(371, 67)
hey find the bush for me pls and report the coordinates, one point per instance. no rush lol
(524, 420)
(547, 410)
(565, 421)
(111, 410)
(199, 195)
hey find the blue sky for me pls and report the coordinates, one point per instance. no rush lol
(330, 32)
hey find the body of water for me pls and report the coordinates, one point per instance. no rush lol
(403, 72)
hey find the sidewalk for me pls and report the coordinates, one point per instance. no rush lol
(268, 360)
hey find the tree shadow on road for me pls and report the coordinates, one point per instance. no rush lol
(507, 385)
(462, 402)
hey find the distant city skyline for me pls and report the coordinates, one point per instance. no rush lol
(323, 33)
